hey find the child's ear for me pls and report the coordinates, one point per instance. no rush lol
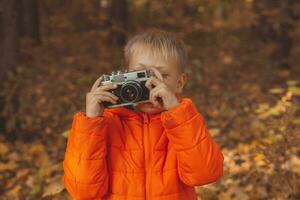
(181, 82)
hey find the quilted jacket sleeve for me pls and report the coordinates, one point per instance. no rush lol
(200, 160)
(85, 168)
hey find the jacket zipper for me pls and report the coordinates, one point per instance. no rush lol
(146, 154)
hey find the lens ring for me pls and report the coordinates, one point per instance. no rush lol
(130, 91)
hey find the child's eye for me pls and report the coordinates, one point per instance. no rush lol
(165, 75)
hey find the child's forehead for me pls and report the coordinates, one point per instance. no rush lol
(145, 59)
(138, 66)
(152, 52)
(160, 67)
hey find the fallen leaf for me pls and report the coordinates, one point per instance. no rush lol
(53, 188)
(15, 191)
(276, 90)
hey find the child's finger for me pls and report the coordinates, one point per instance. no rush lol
(103, 98)
(97, 82)
(152, 92)
(106, 93)
(148, 84)
(105, 87)
(154, 82)
(157, 73)
(154, 95)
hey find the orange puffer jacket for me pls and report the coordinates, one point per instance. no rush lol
(131, 155)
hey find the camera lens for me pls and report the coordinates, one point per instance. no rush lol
(130, 91)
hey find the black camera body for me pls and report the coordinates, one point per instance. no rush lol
(130, 89)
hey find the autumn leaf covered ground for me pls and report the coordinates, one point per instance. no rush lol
(251, 107)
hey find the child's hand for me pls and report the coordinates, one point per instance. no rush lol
(96, 97)
(160, 94)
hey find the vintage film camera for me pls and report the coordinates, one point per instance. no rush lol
(131, 87)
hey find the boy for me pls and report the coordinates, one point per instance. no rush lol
(158, 151)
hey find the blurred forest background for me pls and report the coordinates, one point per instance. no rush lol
(245, 59)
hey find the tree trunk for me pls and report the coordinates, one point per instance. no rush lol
(8, 36)
(268, 31)
(28, 19)
(285, 42)
(9, 45)
(118, 14)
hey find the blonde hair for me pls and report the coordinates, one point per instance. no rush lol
(160, 43)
